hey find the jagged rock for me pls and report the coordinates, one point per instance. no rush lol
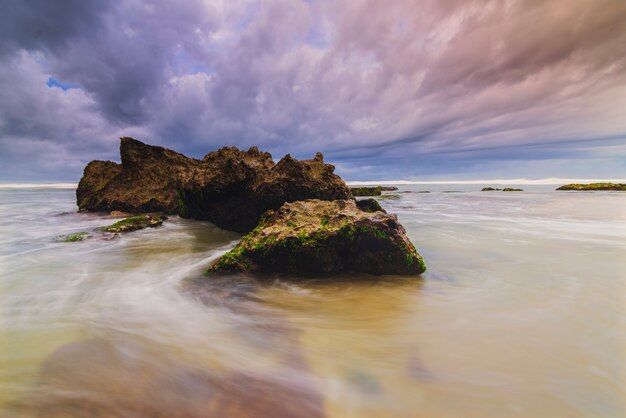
(228, 187)
(595, 186)
(315, 237)
(96, 176)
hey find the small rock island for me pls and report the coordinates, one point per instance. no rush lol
(506, 189)
(300, 217)
(595, 186)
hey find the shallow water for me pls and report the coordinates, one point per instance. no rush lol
(521, 313)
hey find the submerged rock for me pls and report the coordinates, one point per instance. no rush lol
(76, 237)
(317, 238)
(595, 186)
(389, 196)
(506, 189)
(229, 187)
(117, 378)
(366, 191)
(135, 223)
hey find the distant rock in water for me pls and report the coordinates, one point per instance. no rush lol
(506, 189)
(595, 186)
(228, 187)
(388, 188)
(366, 191)
(318, 238)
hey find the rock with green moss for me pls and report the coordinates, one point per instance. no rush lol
(511, 189)
(389, 196)
(369, 205)
(366, 191)
(320, 238)
(135, 223)
(76, 237)
(595, 186)
(489, 189)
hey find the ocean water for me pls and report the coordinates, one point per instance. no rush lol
(522, 313)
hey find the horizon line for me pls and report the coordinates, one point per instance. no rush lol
(546, 181)
(521, 181)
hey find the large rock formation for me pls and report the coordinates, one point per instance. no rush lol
(315, 237)
(228, 187)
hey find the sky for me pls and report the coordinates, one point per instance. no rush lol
(394, 89)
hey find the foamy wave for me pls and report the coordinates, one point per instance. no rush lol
(38, 185)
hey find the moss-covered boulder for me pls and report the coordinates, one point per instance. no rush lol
(489, 189)
(511, 189)
(366, 191)
(135, 223)
(595, 186)
(318, 238)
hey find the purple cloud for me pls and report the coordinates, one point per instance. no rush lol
(400, 89)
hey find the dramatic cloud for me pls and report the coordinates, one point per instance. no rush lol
(394, 89)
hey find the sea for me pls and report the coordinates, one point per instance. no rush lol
(521, 313)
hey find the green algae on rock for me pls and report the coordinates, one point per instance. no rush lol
(366, 191)
(320, 238)
(135, 223)
(370, 205)
(595, 186)
(78, 236)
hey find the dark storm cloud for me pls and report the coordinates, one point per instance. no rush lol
(424, 86)
(44, 24)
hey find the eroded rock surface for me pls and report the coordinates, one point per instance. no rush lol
(315, 237)
(228, 187)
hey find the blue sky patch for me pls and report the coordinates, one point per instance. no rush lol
(53, 82)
